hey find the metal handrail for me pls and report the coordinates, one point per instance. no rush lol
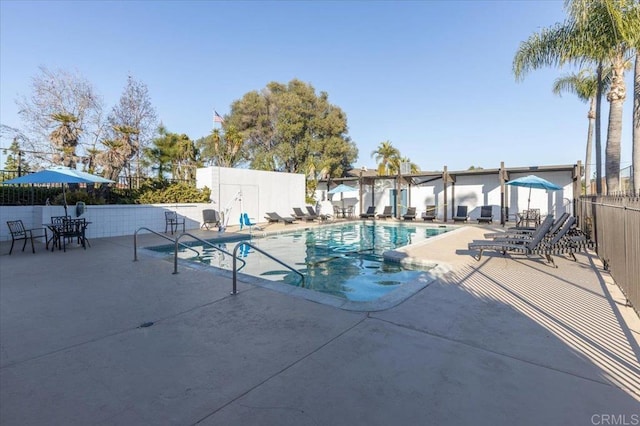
(209, 243)
(135, 242)
(235, 251)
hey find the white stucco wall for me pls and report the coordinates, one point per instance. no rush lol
(262, 191)
(106, 221)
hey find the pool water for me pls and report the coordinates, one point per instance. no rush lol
(343, 260)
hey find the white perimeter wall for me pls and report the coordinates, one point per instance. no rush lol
(106, 221)
(262, 192)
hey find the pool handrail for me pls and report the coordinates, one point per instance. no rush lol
(135, 241)
(209, 243)
(235, 251)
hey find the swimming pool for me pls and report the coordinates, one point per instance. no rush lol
(345, 260)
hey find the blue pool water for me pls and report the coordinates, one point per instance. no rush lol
(343, 260)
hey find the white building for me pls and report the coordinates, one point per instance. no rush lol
(255, 192)
(471, 188)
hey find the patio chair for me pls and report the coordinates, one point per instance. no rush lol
(69, 229)
(486, 214)
(313, 214)
(526, 246)
(300, 215)
(429, 213)
(172, 220)
(387, 212)
(56, 222)
(245, 221)
(210, 217)
(275, 217)
(410, 214)
(461, 214)
(369, 214)
(19, 232)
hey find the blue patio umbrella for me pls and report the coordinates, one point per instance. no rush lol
(340, 189)
(533, 181)
(60, 175)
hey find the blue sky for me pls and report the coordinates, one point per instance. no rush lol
(433, 77)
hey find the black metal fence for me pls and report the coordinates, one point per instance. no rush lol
(614, 223)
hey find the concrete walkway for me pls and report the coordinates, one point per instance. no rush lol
(504, 341)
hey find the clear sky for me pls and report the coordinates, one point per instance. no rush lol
(433, 77)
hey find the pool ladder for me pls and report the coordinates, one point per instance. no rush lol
(235, 252)
(178, 244)
(208, 243)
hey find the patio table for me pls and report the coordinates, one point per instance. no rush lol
(68, 228)
(529, 218)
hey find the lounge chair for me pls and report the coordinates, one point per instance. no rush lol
(526, 245)
(461, 214)
(369, 214)
(172, 220)
(568, 240)
(313, 214)
(300, 215)
(386, 213)
(19, 232)
(410, 214)
(486, 214)
(429, 213)
(210, 217)
(515, 232)
(275, 217)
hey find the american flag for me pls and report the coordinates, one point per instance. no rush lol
(217, 118)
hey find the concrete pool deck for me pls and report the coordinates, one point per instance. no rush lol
(504, 341)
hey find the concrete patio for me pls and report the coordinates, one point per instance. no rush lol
(504, 341)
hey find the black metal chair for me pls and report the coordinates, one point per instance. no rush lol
(56, 223)
(410, 214)
(70, 229)
(386, 213)
(19, 232)
(172, 220)
(369, 214)
(210, 217)
(429, 213)
(461, 214)
(486, 214)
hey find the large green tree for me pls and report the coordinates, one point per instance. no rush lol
(222, 148)
(589, 35)
(15, 160)
(172, 153)
(290, 128)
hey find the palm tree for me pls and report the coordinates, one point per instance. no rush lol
(618, 24)
(388, 158)
(585, 86)
(64, 138)
(413, 167)
(589, 35)
(635, 158)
